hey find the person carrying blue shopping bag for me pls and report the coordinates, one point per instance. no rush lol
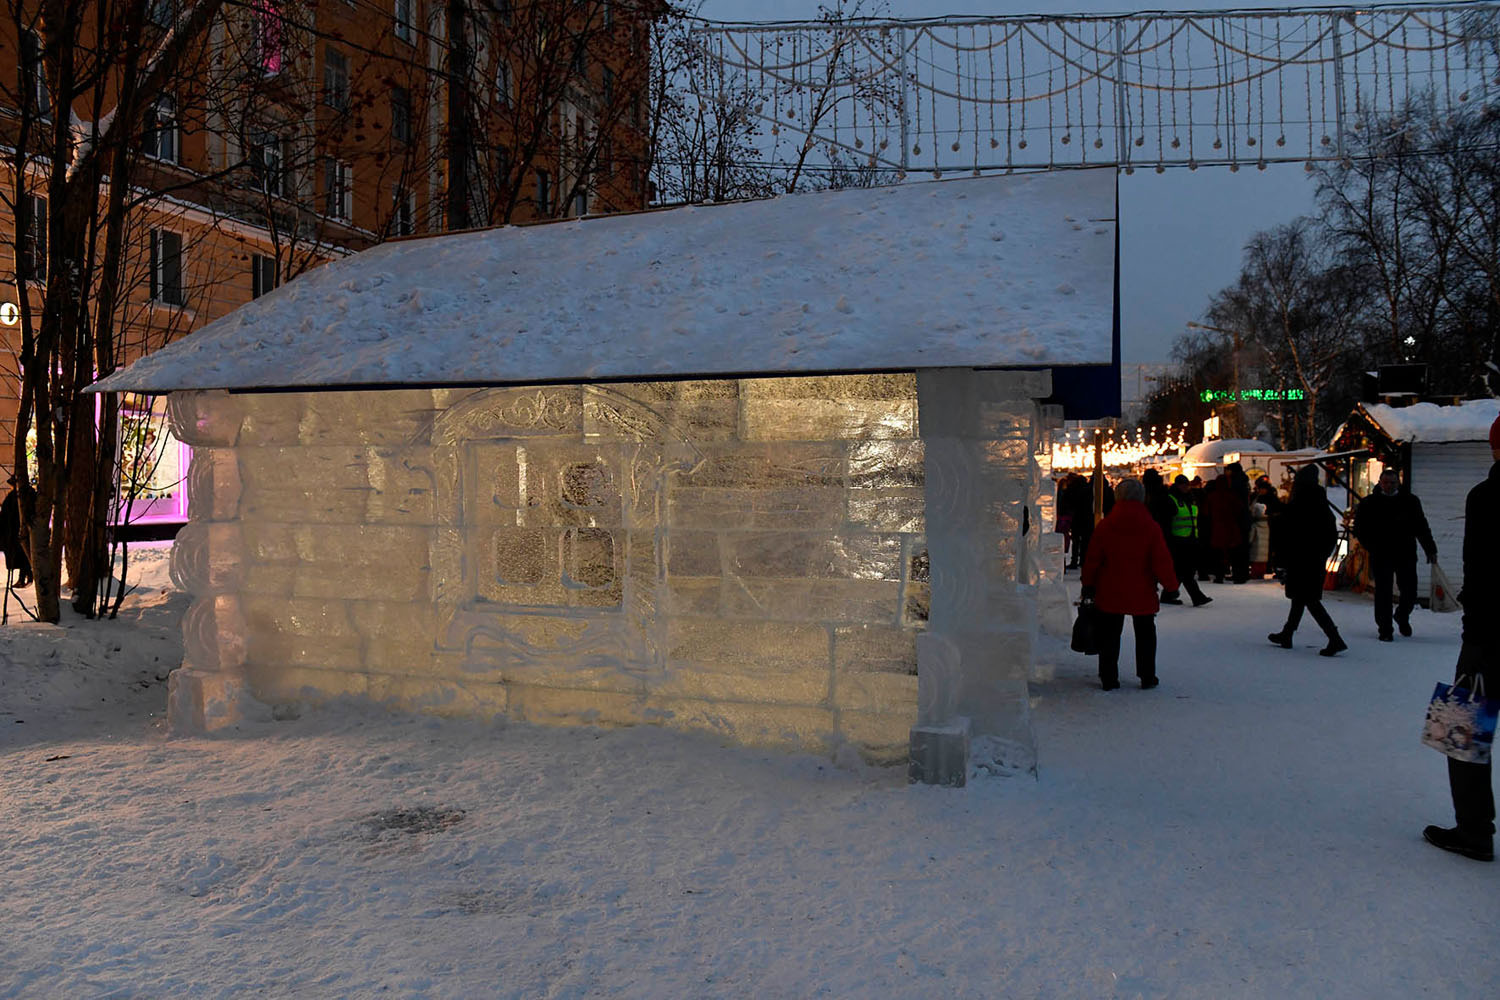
(1473, 834)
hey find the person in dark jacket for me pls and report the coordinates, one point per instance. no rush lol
(1309, 533)
(1126, 561)
(1083, 515)
(1078, 504)
(1223, 510)
(1389, 523)
(1203, 560)
(1265, 494)
(12, 523)
(1478, 656)
(1159, 503)
(1239, 555)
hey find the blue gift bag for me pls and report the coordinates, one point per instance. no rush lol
(1461, 723)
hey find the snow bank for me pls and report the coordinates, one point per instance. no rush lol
(1249, 829)
(1468, 421)
(986, 272)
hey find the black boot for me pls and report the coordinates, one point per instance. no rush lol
(1336, 645)
(1282, 638)
(1479, 846)
(1403, 623)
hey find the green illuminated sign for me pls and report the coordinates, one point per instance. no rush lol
(1252, 395)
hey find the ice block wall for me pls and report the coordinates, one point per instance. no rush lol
(746, 557)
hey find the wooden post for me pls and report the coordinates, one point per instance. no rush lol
(1098, 477)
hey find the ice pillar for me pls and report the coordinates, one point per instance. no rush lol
(974, 660)
(209, 691)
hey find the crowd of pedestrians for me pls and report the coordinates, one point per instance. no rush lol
(1229, 530)
(1155, 541)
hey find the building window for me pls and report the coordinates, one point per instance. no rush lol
(543, 192)
(161, 131)
(34, 246)
(609, 87)
(35, 72)
(581, 200)
(166, 267)
(405, 20)
(337, 189)
(403, 213)
(335, 79)
(162, 13)
(400, 114)
(580, 60)
(267, 159)
(263, 276)
(609, 14)
(505, 83)
(269, 56)
(502, 10)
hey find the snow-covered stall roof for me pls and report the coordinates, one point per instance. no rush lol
(1211, 454)
(1434, 424)
(985, 272)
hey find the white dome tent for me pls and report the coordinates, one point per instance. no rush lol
(1208, 458)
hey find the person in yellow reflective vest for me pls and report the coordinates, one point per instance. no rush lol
(1182, 539)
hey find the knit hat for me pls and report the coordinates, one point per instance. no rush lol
(1495, 435)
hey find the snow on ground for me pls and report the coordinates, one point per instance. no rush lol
(1249, 829)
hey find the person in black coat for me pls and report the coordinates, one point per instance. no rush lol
(1310, 533)
(12, 523)
(1265, 494)
(1479, 656)
(1389, 523)
(1083, 516)
(1239, 555)
(1160, 506)
(1077, 502)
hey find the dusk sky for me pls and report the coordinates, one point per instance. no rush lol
(1182, 232)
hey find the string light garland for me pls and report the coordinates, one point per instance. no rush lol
(1074, 450)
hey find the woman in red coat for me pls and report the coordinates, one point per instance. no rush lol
(1127, 558)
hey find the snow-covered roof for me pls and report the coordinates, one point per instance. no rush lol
(1211, 453)
(1468, 421)
(986, 272)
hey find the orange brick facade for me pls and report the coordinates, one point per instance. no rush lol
(322, 127)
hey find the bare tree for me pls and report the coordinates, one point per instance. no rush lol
(89, 72)
(1302, 314)
(1422, 232)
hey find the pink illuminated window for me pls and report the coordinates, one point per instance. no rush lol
(153, 464)
(268, 49)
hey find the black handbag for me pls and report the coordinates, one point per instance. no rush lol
(1085, 628)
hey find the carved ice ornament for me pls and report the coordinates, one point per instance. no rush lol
(548, 549)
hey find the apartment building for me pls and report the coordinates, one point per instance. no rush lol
(302, 130)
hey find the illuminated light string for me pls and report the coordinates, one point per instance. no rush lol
(1075, 449)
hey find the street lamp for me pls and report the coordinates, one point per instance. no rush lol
(1235, 400)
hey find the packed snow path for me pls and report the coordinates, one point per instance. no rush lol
(1249, 829)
